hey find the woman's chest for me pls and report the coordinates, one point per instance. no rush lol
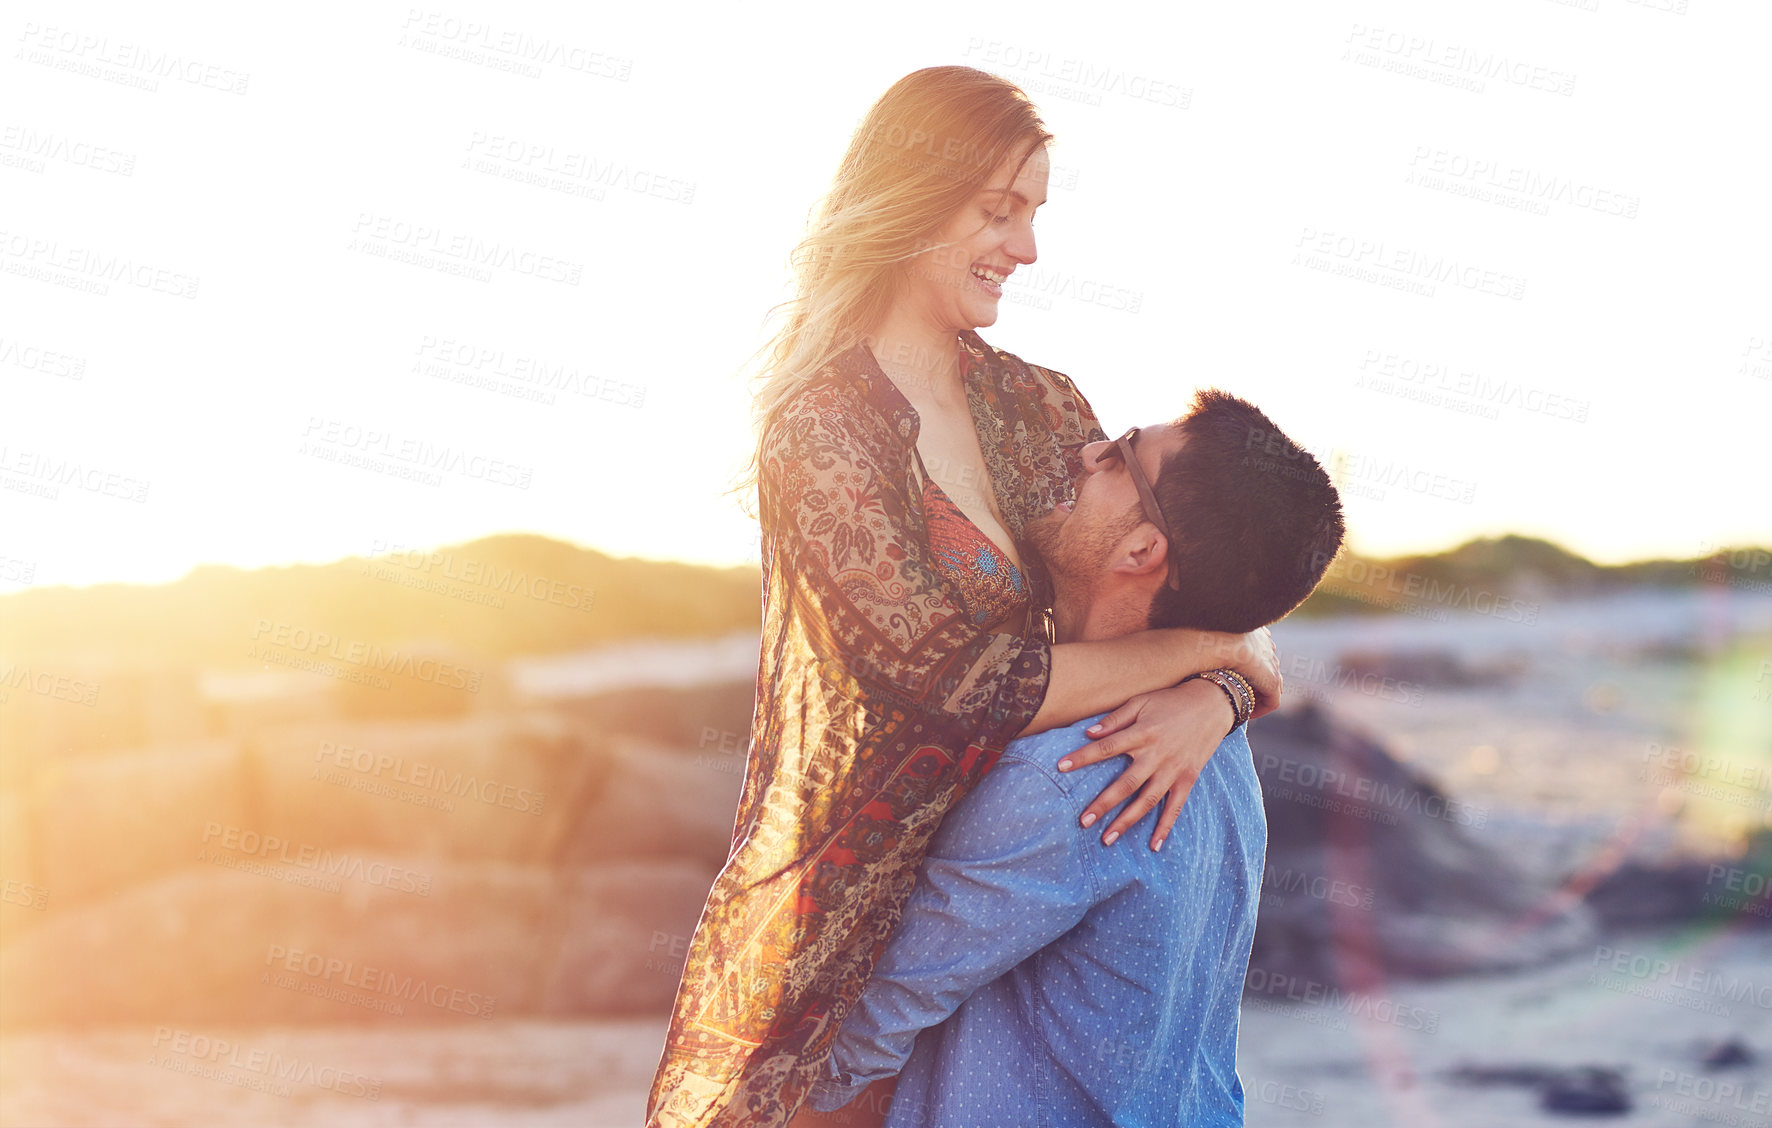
(969, 541)
(948, 451)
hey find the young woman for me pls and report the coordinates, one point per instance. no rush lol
(906, 637)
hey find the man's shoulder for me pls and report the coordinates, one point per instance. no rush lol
(1037, 756)
(1026, 772)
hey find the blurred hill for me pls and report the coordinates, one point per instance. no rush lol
(1481, 573)
(504, 596)
(495, 598)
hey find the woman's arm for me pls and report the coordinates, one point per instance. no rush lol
(1169, 733)
(852, 564)
(1168, 730)
(1092, 677)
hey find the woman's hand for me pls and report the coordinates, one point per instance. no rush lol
(1170, 734)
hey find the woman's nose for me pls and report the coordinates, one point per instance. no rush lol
(1020, 244)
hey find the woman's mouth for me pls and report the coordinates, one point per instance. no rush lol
(989, 280)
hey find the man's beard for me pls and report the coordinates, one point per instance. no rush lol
(1075, 555)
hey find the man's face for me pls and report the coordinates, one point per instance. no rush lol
(1080, 542)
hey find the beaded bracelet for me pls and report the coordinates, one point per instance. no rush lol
(1244, 690)
(1236, 689)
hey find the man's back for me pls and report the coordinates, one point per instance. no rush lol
(1094, 985)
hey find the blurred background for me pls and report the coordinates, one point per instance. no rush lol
(378, 640)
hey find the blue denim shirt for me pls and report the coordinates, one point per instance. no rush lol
(1041, 978)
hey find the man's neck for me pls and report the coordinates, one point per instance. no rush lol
(1104, 612)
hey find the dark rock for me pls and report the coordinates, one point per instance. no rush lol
(1504, 1076)
(714, 719)
(658, 803)
(509, 787)
(1435, 669)
(1635, 894)
(1371, 870)
(483, 939)
(1639, 894)
(1588, 1091)
(1727, 1054)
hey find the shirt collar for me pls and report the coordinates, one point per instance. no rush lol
(859, 367)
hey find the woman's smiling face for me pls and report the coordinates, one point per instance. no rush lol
(958, 283)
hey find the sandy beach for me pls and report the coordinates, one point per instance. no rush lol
(1566, 734)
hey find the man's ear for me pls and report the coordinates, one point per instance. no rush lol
(1142, 552)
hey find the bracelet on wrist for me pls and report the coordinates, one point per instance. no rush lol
(1240, 696)
(1244, 690)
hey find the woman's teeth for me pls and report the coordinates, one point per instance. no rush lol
(987, 275)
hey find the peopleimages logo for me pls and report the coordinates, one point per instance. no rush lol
(1423, 588)
(246, 844)
(1367, 792)
(462, 248)
(47, 473)
(365, 655)
(378, 981)
(96, 56)
(1677, 976)
(1317, 672)
(1355, 1004)
(204, 1055)
(89, 268)
(428, 568)
(1332, 890)
(429, 777)
(45, 684)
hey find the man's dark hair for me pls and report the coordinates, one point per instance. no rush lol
(1257, 519)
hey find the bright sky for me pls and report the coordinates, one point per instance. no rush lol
(1243, 195)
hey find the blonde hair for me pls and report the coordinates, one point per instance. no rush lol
(925, 148)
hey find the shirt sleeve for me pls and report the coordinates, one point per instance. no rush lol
(1005, 876)
(889, 630)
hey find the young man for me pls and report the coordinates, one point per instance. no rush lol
(1036, 977)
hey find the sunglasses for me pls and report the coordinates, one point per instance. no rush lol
(1122, 450)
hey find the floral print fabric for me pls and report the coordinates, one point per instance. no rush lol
(880, 702)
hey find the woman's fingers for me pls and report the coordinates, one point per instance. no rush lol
(1101, 748)
(1108, 725)
(1116, 720)
(1096, 751)
(1153, 793)
(1268, 702)
(1178, 793)
(1261, 667)
(1116, 793)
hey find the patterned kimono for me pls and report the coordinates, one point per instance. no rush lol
(883, 696)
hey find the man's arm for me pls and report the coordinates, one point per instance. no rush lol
(1005, 875)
